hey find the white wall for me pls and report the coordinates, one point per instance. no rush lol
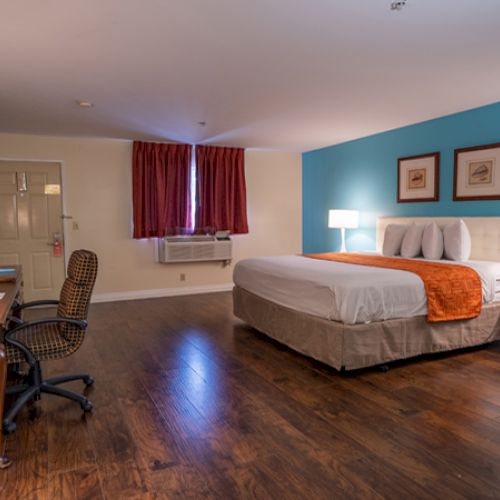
(97, 193)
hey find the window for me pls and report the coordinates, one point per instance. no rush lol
(180, 188)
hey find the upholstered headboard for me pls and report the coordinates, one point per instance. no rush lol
(484, 231)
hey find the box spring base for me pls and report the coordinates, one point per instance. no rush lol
(361, 345)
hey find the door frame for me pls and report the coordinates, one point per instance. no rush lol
(66, 252)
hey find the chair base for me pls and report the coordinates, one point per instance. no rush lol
(35, 386)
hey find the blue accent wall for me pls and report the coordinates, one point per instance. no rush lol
(362, 175)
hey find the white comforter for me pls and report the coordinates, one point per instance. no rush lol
(347, 292)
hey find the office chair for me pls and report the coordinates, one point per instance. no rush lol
(52, 338)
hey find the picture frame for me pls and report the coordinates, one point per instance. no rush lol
(418, 178)
(477, 173)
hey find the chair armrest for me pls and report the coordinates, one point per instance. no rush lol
(35, 303)
(46, 321)
(30, 359)
(12, 320)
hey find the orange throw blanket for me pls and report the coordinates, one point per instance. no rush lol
(453, 291)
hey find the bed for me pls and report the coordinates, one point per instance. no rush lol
(351, 317)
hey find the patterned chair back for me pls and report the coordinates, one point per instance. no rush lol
(76, 292)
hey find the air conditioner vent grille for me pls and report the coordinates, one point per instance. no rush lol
(182, 249)
(189, 239)
(179, 252)
(204, 251)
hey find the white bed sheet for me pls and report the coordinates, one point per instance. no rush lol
(347, 292)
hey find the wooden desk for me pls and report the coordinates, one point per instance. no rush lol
(13, 291)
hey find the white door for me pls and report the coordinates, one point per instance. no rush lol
(31, 225)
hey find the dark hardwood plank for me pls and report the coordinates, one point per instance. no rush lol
(77, 484)
(69, 444)
(191, 403)
(27, 477)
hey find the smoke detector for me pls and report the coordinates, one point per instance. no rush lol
(398, 4)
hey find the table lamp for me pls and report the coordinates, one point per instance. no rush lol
(343, 219)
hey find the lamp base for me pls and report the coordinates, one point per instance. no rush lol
(342, 244)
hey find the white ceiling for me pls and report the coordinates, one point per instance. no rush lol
(280, 74)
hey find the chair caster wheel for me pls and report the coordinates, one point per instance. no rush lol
(86, 406)
(88, 381)
(9, 427)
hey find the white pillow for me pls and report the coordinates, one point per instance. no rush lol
(412, 242)
(432, 242)
(393, 238)
(457, 242)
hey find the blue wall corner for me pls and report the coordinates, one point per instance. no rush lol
(362, 175)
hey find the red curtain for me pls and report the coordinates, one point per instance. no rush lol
(161, 189)
(221, 191)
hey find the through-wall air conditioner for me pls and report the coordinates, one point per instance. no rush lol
(195, 249)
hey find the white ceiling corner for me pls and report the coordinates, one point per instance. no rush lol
(279, 74)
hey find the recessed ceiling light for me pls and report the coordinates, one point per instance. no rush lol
(85, 104)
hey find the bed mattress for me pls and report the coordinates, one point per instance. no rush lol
(346, 292)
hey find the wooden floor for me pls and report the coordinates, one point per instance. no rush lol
(191, 403)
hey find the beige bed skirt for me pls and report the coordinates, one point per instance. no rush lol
(361, 345)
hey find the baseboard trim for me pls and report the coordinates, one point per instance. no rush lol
(160, 292)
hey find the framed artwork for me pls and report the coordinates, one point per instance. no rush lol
(418, 178)
(477, 175)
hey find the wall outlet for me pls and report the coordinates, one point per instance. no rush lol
(182, 277)
(75, 226)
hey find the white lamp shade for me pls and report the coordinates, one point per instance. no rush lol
(348, 219)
